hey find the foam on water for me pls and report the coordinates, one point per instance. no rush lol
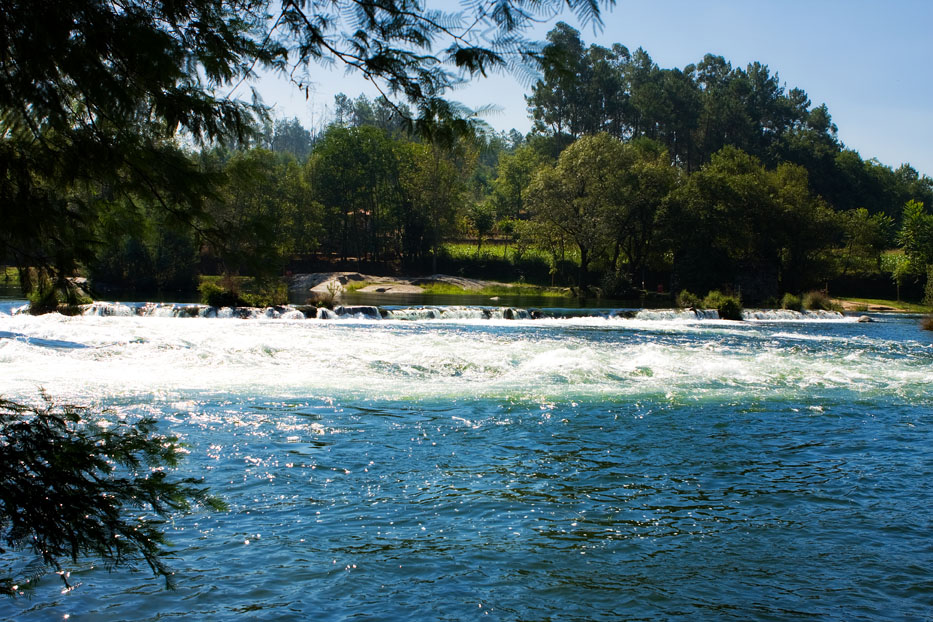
(123, 352)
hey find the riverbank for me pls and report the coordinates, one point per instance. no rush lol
(874, 305)
(332, 284)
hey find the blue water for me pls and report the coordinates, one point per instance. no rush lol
(580, 469)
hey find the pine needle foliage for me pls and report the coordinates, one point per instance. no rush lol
(72, 489)
(95, 93)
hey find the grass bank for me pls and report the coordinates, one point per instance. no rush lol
(866, 304)
(517, 289)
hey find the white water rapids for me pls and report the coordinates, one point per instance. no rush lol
(671, 355)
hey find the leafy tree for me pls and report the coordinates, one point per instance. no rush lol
(354, 175)
(740, 226)
(93, 93)
(434, 192)
(898, 266)
(70, 488)
(289, 136)
(482, 218)
(261, 213)
(916, 235)
(578, 195)
(513, 175)
(916, 241)
(865, 237)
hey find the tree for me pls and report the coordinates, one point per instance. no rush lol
(513, 175)
(94, 93)
(354, 174)
(70, 488)
(261, 212)
(740, 226)
(649, 179)
(916, 234)
(578, 195)
(865, 237)
(289, 136)
(482, 218)
(916, 240)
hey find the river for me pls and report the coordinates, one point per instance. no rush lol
(452, 464)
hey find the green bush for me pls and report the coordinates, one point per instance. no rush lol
(728, 307)
(217, 296)
(818, 301)
(792, 302)
(688, 300)
(269, 295)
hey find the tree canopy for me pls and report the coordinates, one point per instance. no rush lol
(94, 93)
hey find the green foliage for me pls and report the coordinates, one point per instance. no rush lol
(818, 301)
(216, 296)
(928, 288)
(898, 265)
(71, 488)
(49, 292)
(482, 218)
(574, 199)
(270, 294)
(91, 121)
(688, 300)
(728, 307)
(865, 236)
(741, 224)
(242, 292)
(792, 302)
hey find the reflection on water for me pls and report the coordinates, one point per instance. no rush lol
(573, 470)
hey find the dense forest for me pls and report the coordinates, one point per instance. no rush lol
(634, 178)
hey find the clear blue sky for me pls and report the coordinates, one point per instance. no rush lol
(869, 61)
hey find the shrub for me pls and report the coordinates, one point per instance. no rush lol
(792, 302)
(217, 296)
(818, 301)
(728, 307)
(687, 300)
(269, 295)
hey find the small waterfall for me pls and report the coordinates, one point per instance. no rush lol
(292, 314)
(789, 315)
(677, 314)
(107, 309)
(516, 314)
(358, 312)
(414, 314)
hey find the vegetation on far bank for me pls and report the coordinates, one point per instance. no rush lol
(864, 304)
(635, 179)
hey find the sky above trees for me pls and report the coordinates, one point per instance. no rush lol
(867, 61)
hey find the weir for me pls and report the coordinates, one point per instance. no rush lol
(427, 313)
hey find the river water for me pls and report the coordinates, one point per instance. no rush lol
(454, 464)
